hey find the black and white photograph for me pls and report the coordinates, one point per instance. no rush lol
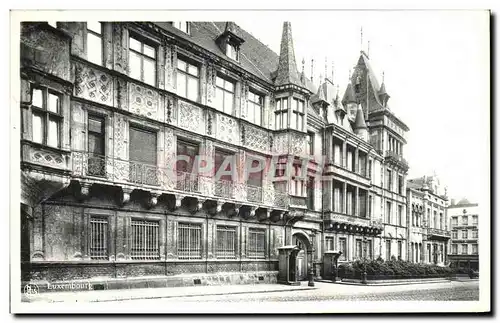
(250, 161)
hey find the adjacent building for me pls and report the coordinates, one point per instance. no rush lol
(175, 148)
(464, 251)
(428, 228)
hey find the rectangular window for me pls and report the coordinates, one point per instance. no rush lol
(343, 248)
(400, 215)
(400, 185)
(188, 80)
(281, 114)
(388, 213)
(388, 183)
(96, 138)
(255, 104)
(464, 234)
(296, 183)
(474, 249)
(254, 182)
(329, 243)
(388, 250)
(310, 193)
(226, 242)
(224, 95)
(474, 234)
(46, 117)
(94, 42)
(454, 234)
(189, 240)
(474, 220)
(454, 221)
(98, 238)
(142, 156)
(465, 220)
(145, 240)
(224, 183)
(464, 249)
(370, 201)
(186, 156)
(370, 168)
(183, 26)
(298, 115)
(454, 249)
(400, 250)
(310, 143)
(359, 249)
(256, 243)
(142, 61)
(369, 249)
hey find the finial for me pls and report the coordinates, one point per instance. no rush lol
(383, 76)
(320, 78)
(326, 68)
(349, 74)
(312, 69)
(303, 62)
(361, 38)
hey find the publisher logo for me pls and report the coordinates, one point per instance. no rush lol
(30, 290)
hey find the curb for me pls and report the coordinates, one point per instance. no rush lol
(183, 295)
(385, 283)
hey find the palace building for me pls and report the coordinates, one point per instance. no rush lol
(191, 148)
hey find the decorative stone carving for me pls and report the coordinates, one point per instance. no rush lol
(256, 139)
(121, 94)
(227, 129)
(124, 197)
(168, 178)
(152, 200)
(211, 78)
(190, 117)
(169, 77)
(243, 98)
(120, 51)
(281, 143)
(170, 106)
(93, 84)
(209, 123)
(143, 101)
(252, 211)
(45, 50)
(178, 201)
(297, 146)
(39, 156)
(84, 192)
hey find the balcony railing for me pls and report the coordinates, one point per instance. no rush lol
(438, 232)
(118, 170)
(299, 201)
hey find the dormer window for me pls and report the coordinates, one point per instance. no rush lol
(229, 42)
(183, 26)
(232, 52)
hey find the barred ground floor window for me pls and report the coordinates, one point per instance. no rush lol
(329, 243)
(226, 242)
(257, 243)
(145, 240)
(189, 241)
(99, 238)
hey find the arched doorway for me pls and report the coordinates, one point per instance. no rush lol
(303, 257)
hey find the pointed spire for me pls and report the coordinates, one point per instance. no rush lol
(359, 123)
(287, 67)
(382, 93)
(303, 74)
(361, 49)
(326, 68)
(333, 71)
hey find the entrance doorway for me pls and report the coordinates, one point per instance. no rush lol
(302, 257)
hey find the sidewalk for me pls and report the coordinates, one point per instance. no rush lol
(154, 293)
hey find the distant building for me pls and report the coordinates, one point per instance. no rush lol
(464, 251)
(428, 230)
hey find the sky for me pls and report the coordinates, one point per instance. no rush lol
(436, 66)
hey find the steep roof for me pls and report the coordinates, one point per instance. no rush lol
(255, 57)
(349, 96)
(359, 123)
(287, 67)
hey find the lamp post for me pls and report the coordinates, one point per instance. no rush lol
(363, 281)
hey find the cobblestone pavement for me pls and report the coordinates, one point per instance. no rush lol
(447, 291)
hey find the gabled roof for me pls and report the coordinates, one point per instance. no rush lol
(365, 62)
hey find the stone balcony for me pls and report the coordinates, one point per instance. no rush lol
(135, 175)
(397, 159)
(438, 234)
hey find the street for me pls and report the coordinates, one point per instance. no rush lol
(447, 291)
